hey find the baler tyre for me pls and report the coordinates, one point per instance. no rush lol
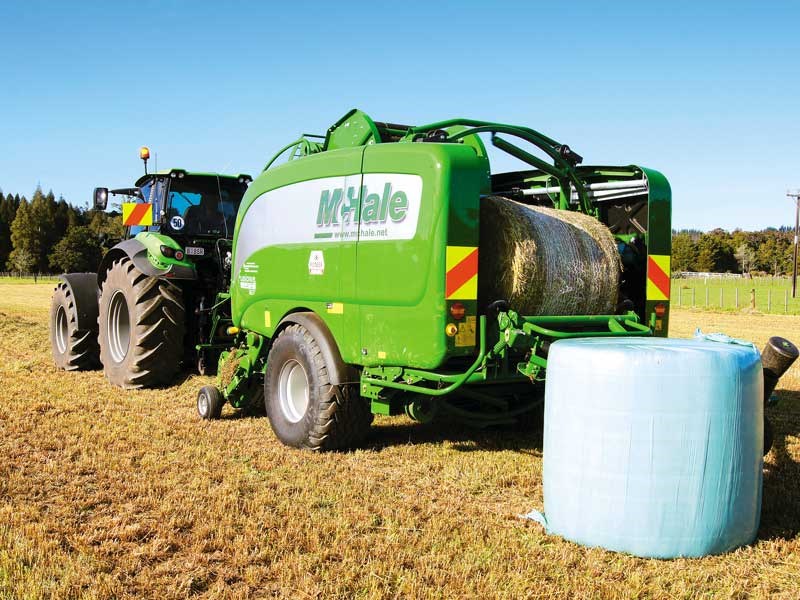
(73, 349)
(202, 363)
(209, 402)
(305, 410)
(769, 436)
(142, 324)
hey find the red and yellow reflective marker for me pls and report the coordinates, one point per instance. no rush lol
(461, 282)
(137, 213)
(658, 277)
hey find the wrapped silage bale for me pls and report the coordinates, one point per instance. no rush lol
(654, 446)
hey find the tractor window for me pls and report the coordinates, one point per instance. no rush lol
(145, 191)
(152, 191)
(203, 205)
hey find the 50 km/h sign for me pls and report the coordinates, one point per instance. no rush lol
(137, 213)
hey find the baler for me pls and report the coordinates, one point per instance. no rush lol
(356, 271)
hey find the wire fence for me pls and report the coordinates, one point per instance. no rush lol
(762, 294)
(27, 277)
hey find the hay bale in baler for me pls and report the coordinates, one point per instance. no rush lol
(545, 261)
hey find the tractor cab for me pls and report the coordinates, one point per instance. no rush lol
(180, 204)
(178, 235)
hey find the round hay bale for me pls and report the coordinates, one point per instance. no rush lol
(546, 261)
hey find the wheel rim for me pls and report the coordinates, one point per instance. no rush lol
(62, 330)
(202, 404)
(293, 391)
(118, 326)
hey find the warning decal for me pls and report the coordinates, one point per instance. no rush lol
(658, 277)
(461, 282)
(137, 213)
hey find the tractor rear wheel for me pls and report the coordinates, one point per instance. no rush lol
(142, 326)
(73, 349)
(305, 410)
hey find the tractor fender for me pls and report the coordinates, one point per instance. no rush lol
(137, 252)
(85, 292)
(339, 372)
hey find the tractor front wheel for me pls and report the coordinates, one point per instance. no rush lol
(142, 325)
(305, 410)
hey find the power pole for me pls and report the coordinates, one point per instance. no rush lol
(796, 196)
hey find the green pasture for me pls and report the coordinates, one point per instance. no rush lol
(763, 294)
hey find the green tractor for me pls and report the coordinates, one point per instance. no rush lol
(159, 299)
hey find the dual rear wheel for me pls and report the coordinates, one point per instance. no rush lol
(73, 348)
(135, 329)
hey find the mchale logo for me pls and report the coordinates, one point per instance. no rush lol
(377, 208)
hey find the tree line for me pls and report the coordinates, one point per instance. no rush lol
(769, 251)
(45, 235)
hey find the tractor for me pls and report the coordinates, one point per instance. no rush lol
(159, 298)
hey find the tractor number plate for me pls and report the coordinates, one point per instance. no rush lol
(195, 251)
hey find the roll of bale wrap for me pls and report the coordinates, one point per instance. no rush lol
(546, 261)
(654, 446)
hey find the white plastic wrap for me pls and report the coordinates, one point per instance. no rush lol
(654, 446)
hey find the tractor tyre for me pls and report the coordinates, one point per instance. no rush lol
(142, 325)
(73, 349)
(305, 410)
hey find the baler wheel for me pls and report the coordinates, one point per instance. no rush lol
(142, 325)
(769, 436)
(73, 349)
(305, 410)
(209, 402)
(202, 363)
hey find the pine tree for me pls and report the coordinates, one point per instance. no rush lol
(42, 210)
(25, 239)
(61, 220)
(6, 218)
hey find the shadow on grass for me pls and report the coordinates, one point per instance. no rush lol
(525, 436)
(780, 512)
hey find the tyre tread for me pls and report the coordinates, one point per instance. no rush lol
(158, 322)
(83, 351)
(343, 418)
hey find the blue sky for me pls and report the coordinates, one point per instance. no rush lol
(709, 95)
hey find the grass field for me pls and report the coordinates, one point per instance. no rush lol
(770, 295)
(112, 494)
